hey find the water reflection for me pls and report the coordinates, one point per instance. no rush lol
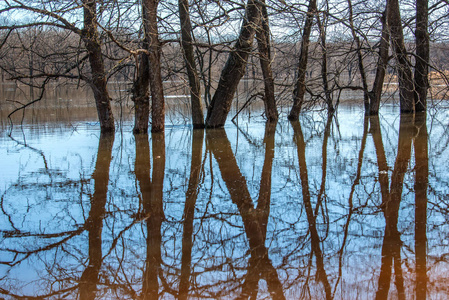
(94, 223)
(254, 218)
(329, 207)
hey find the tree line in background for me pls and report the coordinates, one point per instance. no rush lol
(298, 53)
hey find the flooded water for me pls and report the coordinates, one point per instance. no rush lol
(340, 208)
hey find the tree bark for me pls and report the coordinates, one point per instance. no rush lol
(384, 45)
(406, 86)
(141, 91)
(300, 88)
(194, 81)
(98, 81)
(154, 57)
(422, 55)
(264, 46)
(234, 69)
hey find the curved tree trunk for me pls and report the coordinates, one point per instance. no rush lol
(98, 81)
(194, 81)
(300, 87)
(384, 45)
(234, 69)
(264, 46)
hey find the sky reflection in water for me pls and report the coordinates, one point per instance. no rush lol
(342, 208)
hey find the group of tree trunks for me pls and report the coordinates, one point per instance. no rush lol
(412, 88)
(255, 26)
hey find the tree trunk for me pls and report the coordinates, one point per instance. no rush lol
(141, 96)
(384, 45)
(422, 55)
(234, 69)
(406, 87)
(141, 91)
(264, 46)
(154, 56)
(98, 81)
(300, 88)
(194, 81)
(327, 92)
(359, 59)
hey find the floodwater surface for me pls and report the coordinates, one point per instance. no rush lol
(325, 208)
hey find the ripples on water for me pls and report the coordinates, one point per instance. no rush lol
(344, 208)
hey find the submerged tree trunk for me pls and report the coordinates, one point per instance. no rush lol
(422, 55)
(194, 81)
(234, 69)
(264, 46)
(384, 45)
(300, 88)
(141, 96)
(406, 86)
(141, 92)
(154, 57)
(98, 81)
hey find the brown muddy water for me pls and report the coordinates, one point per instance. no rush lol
(340, 208)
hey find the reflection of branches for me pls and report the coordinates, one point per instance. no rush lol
(391, 248)
(351, 195)
(311, 218)
(251, 217)
(189, 212)
(40, 152)
(321, 194)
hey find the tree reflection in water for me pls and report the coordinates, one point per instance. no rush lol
(341, 212)
(94, 223)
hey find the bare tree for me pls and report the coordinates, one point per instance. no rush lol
(405, 77)
(264, 46)
(384, 45)
(234, 69)
(154, 55)
(300, 86)
(98, 83)
(194, 82)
